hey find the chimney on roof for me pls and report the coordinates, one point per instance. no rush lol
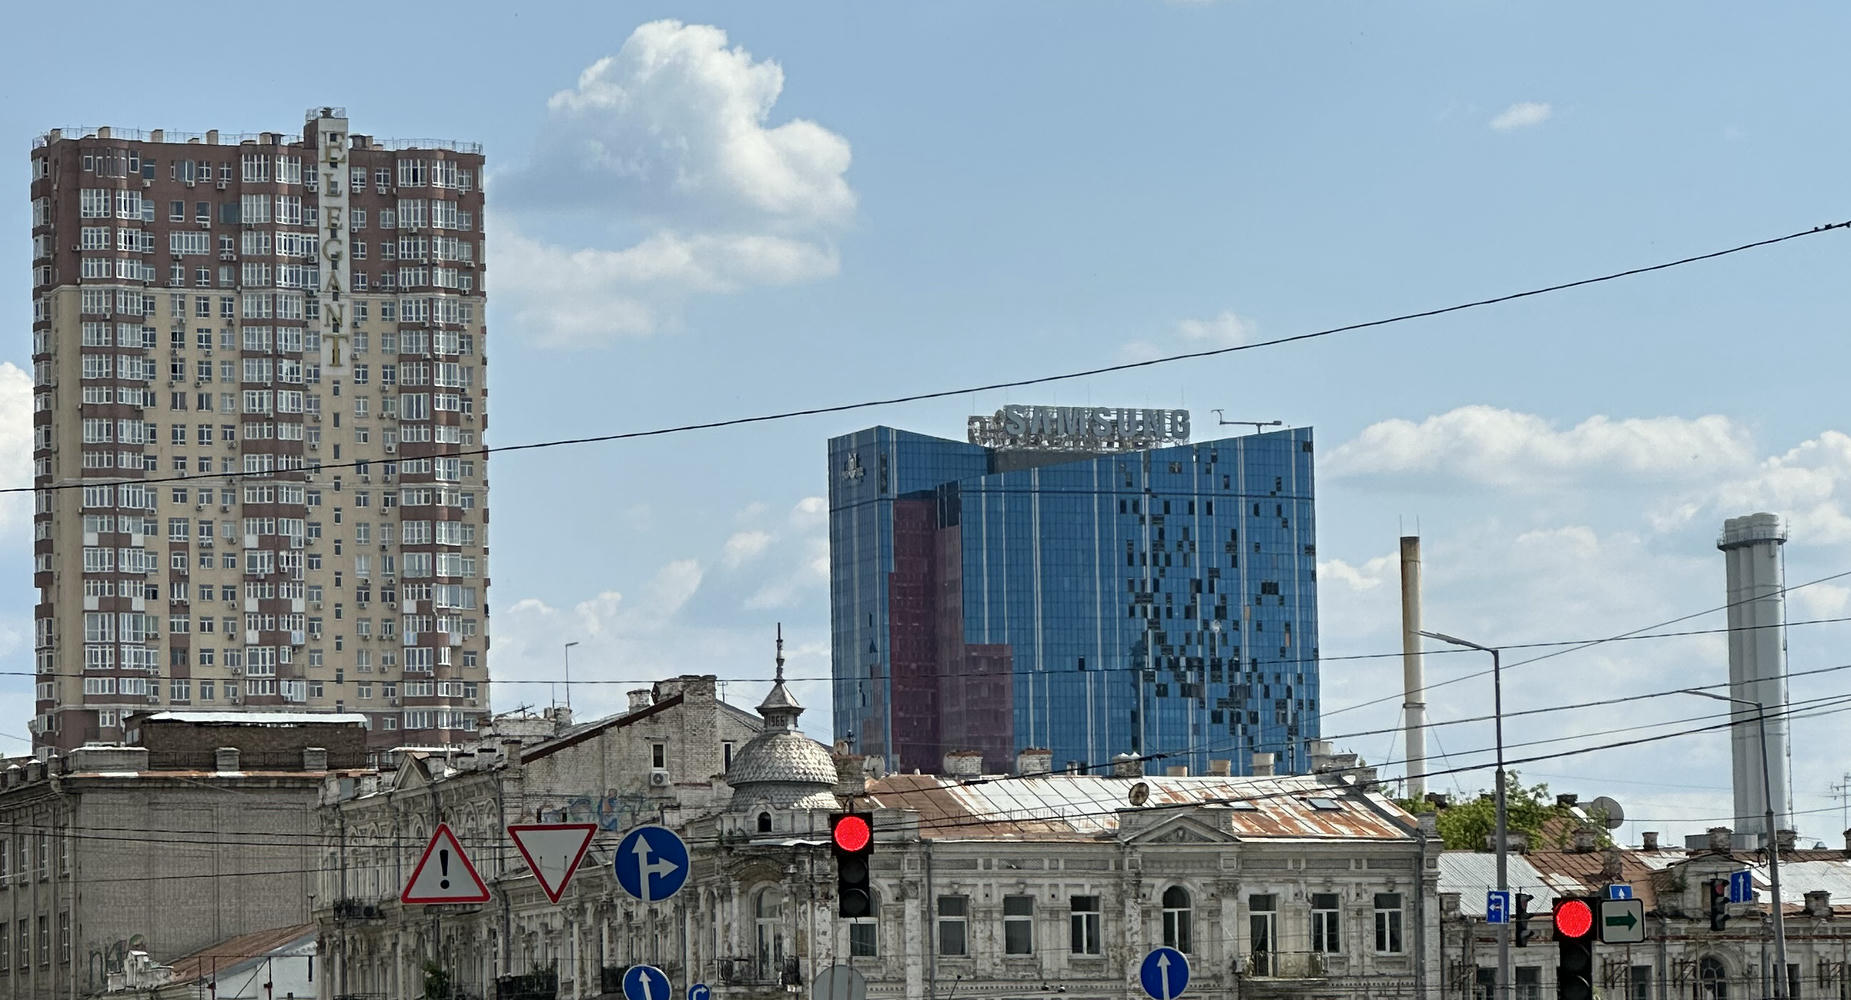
(1719, 838)
(1567, 799)
(1034, 760)
(964, 764)
(1177, 770)
(1584, 840)
(158, 135)
(1440, 800)
(1819, 903)
(1786, 839)
(1650, 839)
(314, 758)
(212, 137)
(227, 758)
(1220, 768)
(16, 775)
(1127, 765)
(1515, 842)
(1319, 749)
(1262, 764)
(640, 699)
(1847, 843)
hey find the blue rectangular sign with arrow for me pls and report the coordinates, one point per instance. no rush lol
(1741, 887)
(1497, 906)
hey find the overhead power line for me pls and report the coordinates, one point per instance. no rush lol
(1020, 383)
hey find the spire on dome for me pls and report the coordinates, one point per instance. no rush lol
(780, 708)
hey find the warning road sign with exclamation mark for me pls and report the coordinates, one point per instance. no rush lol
(444, 874)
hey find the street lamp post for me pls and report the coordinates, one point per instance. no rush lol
(1773, 841)
(569, 646)
(1501, 835)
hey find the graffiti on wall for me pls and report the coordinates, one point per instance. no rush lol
(111, 958)
(611, 811)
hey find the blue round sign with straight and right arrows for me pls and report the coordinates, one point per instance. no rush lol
(645, 982)
(1164, 974)
(651, 863)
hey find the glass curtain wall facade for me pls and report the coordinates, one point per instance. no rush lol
(1158, 601)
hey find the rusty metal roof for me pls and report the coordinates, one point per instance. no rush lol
(1088, 807)
(221, 958)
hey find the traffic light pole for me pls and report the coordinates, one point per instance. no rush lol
(1773, 862)
(1773, 839)
(1501, 837)
(1503, 823)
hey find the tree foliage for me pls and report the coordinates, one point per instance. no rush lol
(1532, 811)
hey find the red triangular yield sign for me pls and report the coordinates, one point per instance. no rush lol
(444, 874)
(553, 851)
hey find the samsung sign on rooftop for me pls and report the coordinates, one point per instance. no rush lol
(1079, 428)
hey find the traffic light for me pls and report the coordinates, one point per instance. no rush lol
(1574, 937)
(1521, 921)
(1719, 902)
(852, 840)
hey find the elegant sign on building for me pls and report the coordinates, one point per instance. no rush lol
(1079, 428)
(331, 168)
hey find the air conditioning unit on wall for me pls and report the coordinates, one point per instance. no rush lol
(658, 777)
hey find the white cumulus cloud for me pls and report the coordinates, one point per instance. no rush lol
(678, 121)
(672, 137)
(1523, 114)
(743, 547)
(589, 297)
(1491, 445)
(1224, 330)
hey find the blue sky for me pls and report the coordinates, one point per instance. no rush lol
(702, 211)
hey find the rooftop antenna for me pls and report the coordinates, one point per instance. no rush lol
(1255, 424)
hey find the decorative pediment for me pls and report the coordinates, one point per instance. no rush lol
(1176, 829)
(412, 773)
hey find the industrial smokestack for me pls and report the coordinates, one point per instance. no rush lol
(1414, 704)
(1758, 670)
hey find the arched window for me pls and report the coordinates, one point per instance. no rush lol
(1176, 918)
(768, 923)
(764, 822)
(1712, 979)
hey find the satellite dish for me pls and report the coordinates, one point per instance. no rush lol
(1140, 793)
(1608, 810)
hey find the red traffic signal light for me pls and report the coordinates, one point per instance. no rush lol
(1574, 919)
(851, 832)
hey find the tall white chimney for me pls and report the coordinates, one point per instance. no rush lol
(1414, 702)
(1751, 548)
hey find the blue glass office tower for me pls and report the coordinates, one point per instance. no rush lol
(997, 599)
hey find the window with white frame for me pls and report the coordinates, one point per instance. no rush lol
(1388, 923)
(954, 925)
(1085, 925)
(1325, 929)
(1176, 919)
(1018, 925)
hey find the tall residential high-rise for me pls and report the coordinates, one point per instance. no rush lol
(1074, 579)
(259, 377)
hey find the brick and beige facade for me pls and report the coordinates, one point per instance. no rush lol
(260, 397)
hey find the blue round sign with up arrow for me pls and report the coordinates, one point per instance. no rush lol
(651, 864)
(645, 982)
(1164, 974)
